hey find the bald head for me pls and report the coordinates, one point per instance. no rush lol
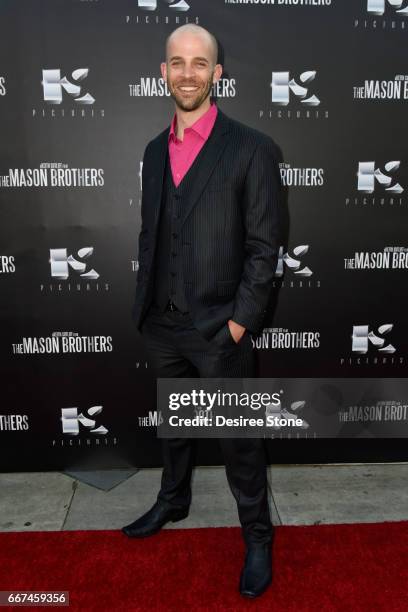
(189, 30)
(191, 68)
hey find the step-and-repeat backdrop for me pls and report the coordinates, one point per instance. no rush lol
(80, 96)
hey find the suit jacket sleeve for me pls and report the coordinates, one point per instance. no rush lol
(261, 221)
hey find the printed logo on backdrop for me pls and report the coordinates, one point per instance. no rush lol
(66, 97)
(368, 176)
(381, 411)
(62, 263)
(292, 270)
(141, 364)
(279, 338)
(366, 407)
(378, 7)
(279, 3)
(382, 15)
(395, 89)
(134, 265)
(138, 198)
(153, 12)
(62, 343)
(77, 273)
(71, 421)
(3, 89)
(152, 419)
(152, 87)
(294, 96)
(301, 177)
(391, 258)
(363, 338)
(377, 184)
(53, 174)
(83, 430)
(7, 264)
(283, 415)
(14, 422)
(175, 5)
(371, 345)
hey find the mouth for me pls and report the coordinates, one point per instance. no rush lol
(188, 89)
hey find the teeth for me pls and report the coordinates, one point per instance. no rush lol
(188, 88)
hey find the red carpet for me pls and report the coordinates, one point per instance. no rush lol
(318, 568)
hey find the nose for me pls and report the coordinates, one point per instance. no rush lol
(188, 70)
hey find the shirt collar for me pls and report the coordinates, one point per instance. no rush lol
(202, 126)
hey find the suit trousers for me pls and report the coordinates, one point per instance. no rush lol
(176, 349)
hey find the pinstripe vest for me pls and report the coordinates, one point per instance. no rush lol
(168, 267)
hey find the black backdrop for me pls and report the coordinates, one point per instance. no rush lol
(80, 97)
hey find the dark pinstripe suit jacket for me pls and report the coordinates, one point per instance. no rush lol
(229, 230)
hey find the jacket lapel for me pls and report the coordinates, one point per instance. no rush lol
(160, 164)
(214, 148)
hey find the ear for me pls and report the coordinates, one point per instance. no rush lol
(163, 70)
(217, 73)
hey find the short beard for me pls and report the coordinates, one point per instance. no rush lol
(194, 103)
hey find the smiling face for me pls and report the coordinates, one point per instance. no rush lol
(190, 69)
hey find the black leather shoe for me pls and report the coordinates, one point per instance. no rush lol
(151, 522)
(256, 575)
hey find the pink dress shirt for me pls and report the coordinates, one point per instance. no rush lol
(183, 152)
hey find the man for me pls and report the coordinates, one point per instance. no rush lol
(208, 250)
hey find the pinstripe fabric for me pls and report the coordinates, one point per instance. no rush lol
(176, 349)
(228, 231)
(169, 251)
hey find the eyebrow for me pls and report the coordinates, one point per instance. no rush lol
(178, 57)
